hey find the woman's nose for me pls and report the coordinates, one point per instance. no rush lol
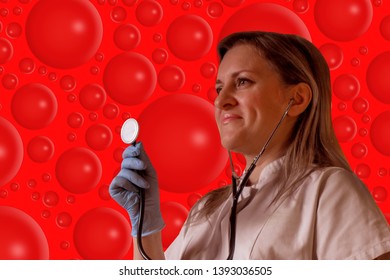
(225, 99)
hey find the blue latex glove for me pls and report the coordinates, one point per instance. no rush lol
(137, 172)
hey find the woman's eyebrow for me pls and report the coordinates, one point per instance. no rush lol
(235, 74)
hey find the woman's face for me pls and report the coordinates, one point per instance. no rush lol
(251, 100)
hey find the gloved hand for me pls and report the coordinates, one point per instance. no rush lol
(137, 172)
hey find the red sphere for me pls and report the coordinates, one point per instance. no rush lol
(64, 34)
(78, 170)
(21, 237)
(102, 233)
(180, 136)
(11, 151)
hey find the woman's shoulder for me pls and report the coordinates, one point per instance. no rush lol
(335, 183)
(333, 175)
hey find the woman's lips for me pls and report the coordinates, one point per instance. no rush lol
(227, 118)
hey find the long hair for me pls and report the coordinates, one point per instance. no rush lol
(313, 143)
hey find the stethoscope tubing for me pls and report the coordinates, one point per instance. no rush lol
(236, 191)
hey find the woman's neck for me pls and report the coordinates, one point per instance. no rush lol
(268, 157)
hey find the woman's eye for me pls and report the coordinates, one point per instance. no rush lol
(242, 82)
(218, 90)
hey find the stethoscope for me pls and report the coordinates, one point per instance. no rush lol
(129, 134)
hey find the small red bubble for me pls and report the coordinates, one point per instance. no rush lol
(14, 187)
(160, 56)
(110, 111)
(127, 37)
(68, 83)
(10, 81)
(186, 6)
(379, 193)
(40, 149)
(363, 170)
(50, 199)
(45, 214)
(65, 245)
(118, 14)
(333, 55)
(359, 150)
(71, 137)
(215, 10)
(98, 137)
(345, 128)
(6, 50)
(75, 120)
(14, 30)
(92, 96)
(301, 6)
(27, 65)
(149, 13)
(208, 70)
(52, 76)
(360, 105)
(64, 219)
(171, 78)
(346, 87)
(31, 183)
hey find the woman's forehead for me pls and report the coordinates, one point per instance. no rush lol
(243, 57)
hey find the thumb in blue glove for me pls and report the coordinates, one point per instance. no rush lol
(137, 172)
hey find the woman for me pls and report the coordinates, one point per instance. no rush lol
(301, 201)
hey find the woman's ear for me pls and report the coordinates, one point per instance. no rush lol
(302, 95)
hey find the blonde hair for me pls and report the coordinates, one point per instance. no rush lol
(313, 143)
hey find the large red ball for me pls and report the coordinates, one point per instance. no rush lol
(266, 17)
(102, 233)
(64, 34)
(130, 78)
(180, 135)
(34, 106)
(78, 170)
(11, 151)
(21, 237)
(174, 215)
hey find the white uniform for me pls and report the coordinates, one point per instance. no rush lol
(331, 216)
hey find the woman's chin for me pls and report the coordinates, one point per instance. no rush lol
(231, 146)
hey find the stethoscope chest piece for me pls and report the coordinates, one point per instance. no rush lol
(129, 131)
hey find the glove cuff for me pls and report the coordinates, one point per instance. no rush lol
(151, 224)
